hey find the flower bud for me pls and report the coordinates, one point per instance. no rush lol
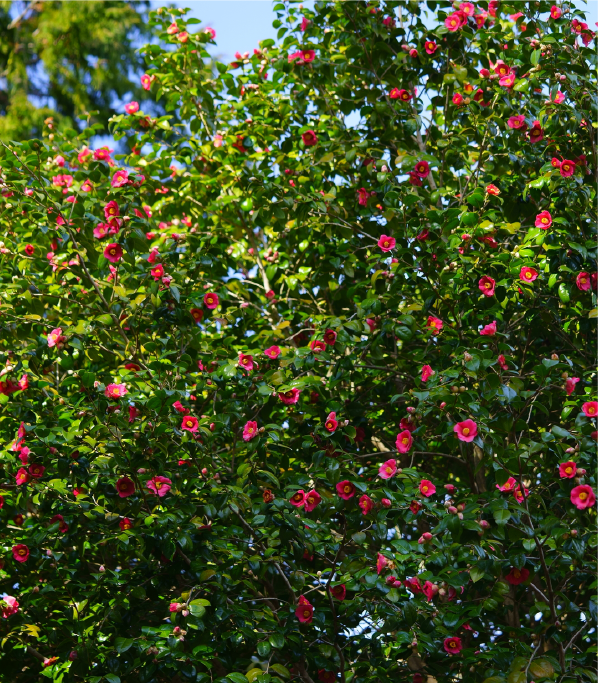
(410, 410)
(452, 509)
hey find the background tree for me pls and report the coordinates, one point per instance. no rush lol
(306, 391)
(65, 60)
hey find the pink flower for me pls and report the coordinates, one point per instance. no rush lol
(125, 487)
(175, 607)
(132, 107)
(115, 391)
(9, 606)
(590, 409)
(20, 552)
(559, 98)
(304, 611)
(22, 477)
(434, 324)
(466, 430)
(489, 330)
(272, 352)
(111, 210)
(583, 497)
(146, 82)
(528, 274)
(113, 252)
(245, 362)
(55, 337)
(316, 346)
(452, 645)
(492, 189)
(536, 133)
(210, 31)
(366, 504)
(388, 469)
(331, 423)
(381, 562)
(568, 470)
(189, 424)
(158, 272)
(211, 300)
(218, 140)
(159, 485)
(519, 496)
(250, 431)
(486, 285)
(458, 99)
(555, 12)
(467, 8)
(427, 488)
(517, 122)
(386, 243)
(309, 138)
(507, 81)
(430, 47)
(583, 281)
(101, 231)
(304, 23)
(120, 178)
(544, 220)
(404, 441)
(345, 489)
(570, 383)
(385, 502)
(289, 397)
(298, 499)
(508, 486)
(453, 22)
(312, 500)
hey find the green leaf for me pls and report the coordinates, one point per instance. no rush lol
(501, 517)
(476, 573)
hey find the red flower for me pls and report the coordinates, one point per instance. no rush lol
(430, 47)
(189, 424)
(427, 372)
(555, 12)
(404, 441)
(113, 252)
(326, 676)
(570, 383)
(298, 499)
(517, 576)
(331, 423)
(536, 133)
(22, 477)
(422, 169)
(492, 189)
(330, 337)
(415, 506)
(509, 485)
(309, 138)
(453, 22)
(115, 391)
(9, 606)
(339, 592)
(458, 99)
(366, 504)
(246, 362)
(304, 610)
(486, 285)
(386, 243)
(567, 168)
(159, 485)
(489, 330)
(345, 489)
(590, 409)
(427, 488)
(211, 300)
(434, 324)
(290, 397)
(567, 470)
(583, 282)
(250, 430)
(125, 487)
(388, 469)
(543, 220)
(37, 471)
(196, 314)
(453, 645)
(583, 497)
(466, 430)
(267, 496)
(316, 346)
(125, 524)
(312, 500)
(528, 274)
(273, 352)
(20, 552)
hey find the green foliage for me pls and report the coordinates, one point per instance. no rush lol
(380, 502)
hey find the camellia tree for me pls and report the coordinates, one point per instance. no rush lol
(302, 388)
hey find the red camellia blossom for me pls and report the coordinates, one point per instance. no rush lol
(339, 592)
(568, 470)
(272, 352)
(196, 314)
(404, 441)
(387, 243)
(345, 489)
(115, 391)
(37, 471)
(245, 362)
(125, 487)
(312, 500)
(528, 274)
(211, 300)
(20, 552)
(125, 524)
(427, 372)
(159, 485)
(422, 169)
(388, 469)
(536, 133)
(570, 383)
(330, 337)
(290, 397)
(113, 252)
(366, 504)
(427, 488)
(331, 423)
(268, 496)
(583, 281)
(555, 12)
(22, 476)
(453, 645)
(430, 47)
(590, 409)
(486, 285)
(298, 499)
(403, 95)
(453, 22)
(517, 576)
(434, 324)
(309, 138)
(458, 99)
(132, 107)
(489, 330)
(55, 338)
(517, 122)
(250, 431)
(583, 497)
(326, 676)
(316, 346)
(9, 606)
(466, 430)
(567, 168)
(304, 610)
(189, 424)
(492, 189)
(543, 220)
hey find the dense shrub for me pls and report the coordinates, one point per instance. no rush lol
(303, 387)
